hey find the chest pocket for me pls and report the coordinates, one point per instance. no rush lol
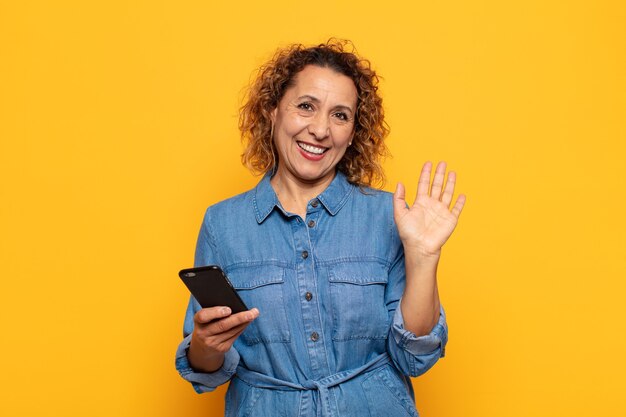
(358, 296)
(262, 287)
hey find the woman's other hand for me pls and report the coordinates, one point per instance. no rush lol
(426, 225)
(215, 331)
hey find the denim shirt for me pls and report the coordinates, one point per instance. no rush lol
(330, 339)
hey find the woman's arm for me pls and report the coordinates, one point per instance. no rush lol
(420, 301)
(206, 356)
(423, 229)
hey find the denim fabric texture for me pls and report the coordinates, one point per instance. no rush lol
(329, 340)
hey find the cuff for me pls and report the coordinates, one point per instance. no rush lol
(205, 382)
(420, 345)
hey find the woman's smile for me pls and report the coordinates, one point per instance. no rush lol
(311, 152)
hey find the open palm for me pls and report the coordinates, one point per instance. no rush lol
(428, 223)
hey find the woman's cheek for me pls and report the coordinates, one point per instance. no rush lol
(300, 123)
(342, 133)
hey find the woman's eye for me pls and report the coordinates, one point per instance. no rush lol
(341, 116)
(305, 106)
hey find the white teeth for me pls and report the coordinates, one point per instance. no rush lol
(311, 149)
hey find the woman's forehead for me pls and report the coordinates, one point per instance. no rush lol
(323, 84)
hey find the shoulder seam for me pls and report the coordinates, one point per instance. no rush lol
(211, 237)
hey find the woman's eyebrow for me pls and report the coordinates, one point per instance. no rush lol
(342, 107)
(316, 100)
(309, 97)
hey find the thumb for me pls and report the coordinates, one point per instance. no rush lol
(399, 204)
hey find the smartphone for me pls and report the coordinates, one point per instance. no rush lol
(210, 286)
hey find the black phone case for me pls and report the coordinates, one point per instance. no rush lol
(210, 286)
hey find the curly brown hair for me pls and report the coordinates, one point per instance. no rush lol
(362, 161)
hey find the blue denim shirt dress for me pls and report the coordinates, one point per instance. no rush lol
(329, 340)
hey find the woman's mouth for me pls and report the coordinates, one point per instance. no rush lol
(315, 150)
(311, 152)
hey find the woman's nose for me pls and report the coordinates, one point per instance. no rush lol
(319, 127)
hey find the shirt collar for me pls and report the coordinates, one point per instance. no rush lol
(332, 198)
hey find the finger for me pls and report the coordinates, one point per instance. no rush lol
(458, 206)
(424, 181)
(224, 325)
(440, 172)
(221, 342)
(236, 335)
(399, 202)
(207, 315)
(446, 198)
(227, 343)
(230, 334)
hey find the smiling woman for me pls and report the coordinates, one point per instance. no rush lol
(341, 277)
(361, 163)
(314, 125)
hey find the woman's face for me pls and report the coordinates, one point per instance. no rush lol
(314, 124)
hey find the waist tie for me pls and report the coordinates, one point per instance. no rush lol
(259, 380)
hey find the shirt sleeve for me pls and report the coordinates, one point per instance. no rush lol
(412, 354)
(206, 254)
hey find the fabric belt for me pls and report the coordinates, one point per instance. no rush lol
(259, 380)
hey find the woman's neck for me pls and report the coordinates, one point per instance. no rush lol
(294, 194)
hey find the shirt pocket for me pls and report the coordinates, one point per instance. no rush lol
(262, 287)
(357, 292)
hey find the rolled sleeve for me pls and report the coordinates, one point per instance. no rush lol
(417, 354)
(421, 345)
(205, 382)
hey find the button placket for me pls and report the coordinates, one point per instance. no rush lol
(305, 235)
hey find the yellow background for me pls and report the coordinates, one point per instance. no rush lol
(118, 127)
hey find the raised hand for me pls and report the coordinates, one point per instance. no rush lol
(428, 223)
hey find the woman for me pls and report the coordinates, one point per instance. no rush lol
(341, 277)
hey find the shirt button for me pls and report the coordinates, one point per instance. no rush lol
(315, 336)
(308, 296)
(305, 254)
(315, 203)
(311, 223)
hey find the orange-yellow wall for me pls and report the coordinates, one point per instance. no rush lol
(118, 127)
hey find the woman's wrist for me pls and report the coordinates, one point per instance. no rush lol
(420, 254)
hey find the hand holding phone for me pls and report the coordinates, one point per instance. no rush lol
(223, 317)
(215, 330)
